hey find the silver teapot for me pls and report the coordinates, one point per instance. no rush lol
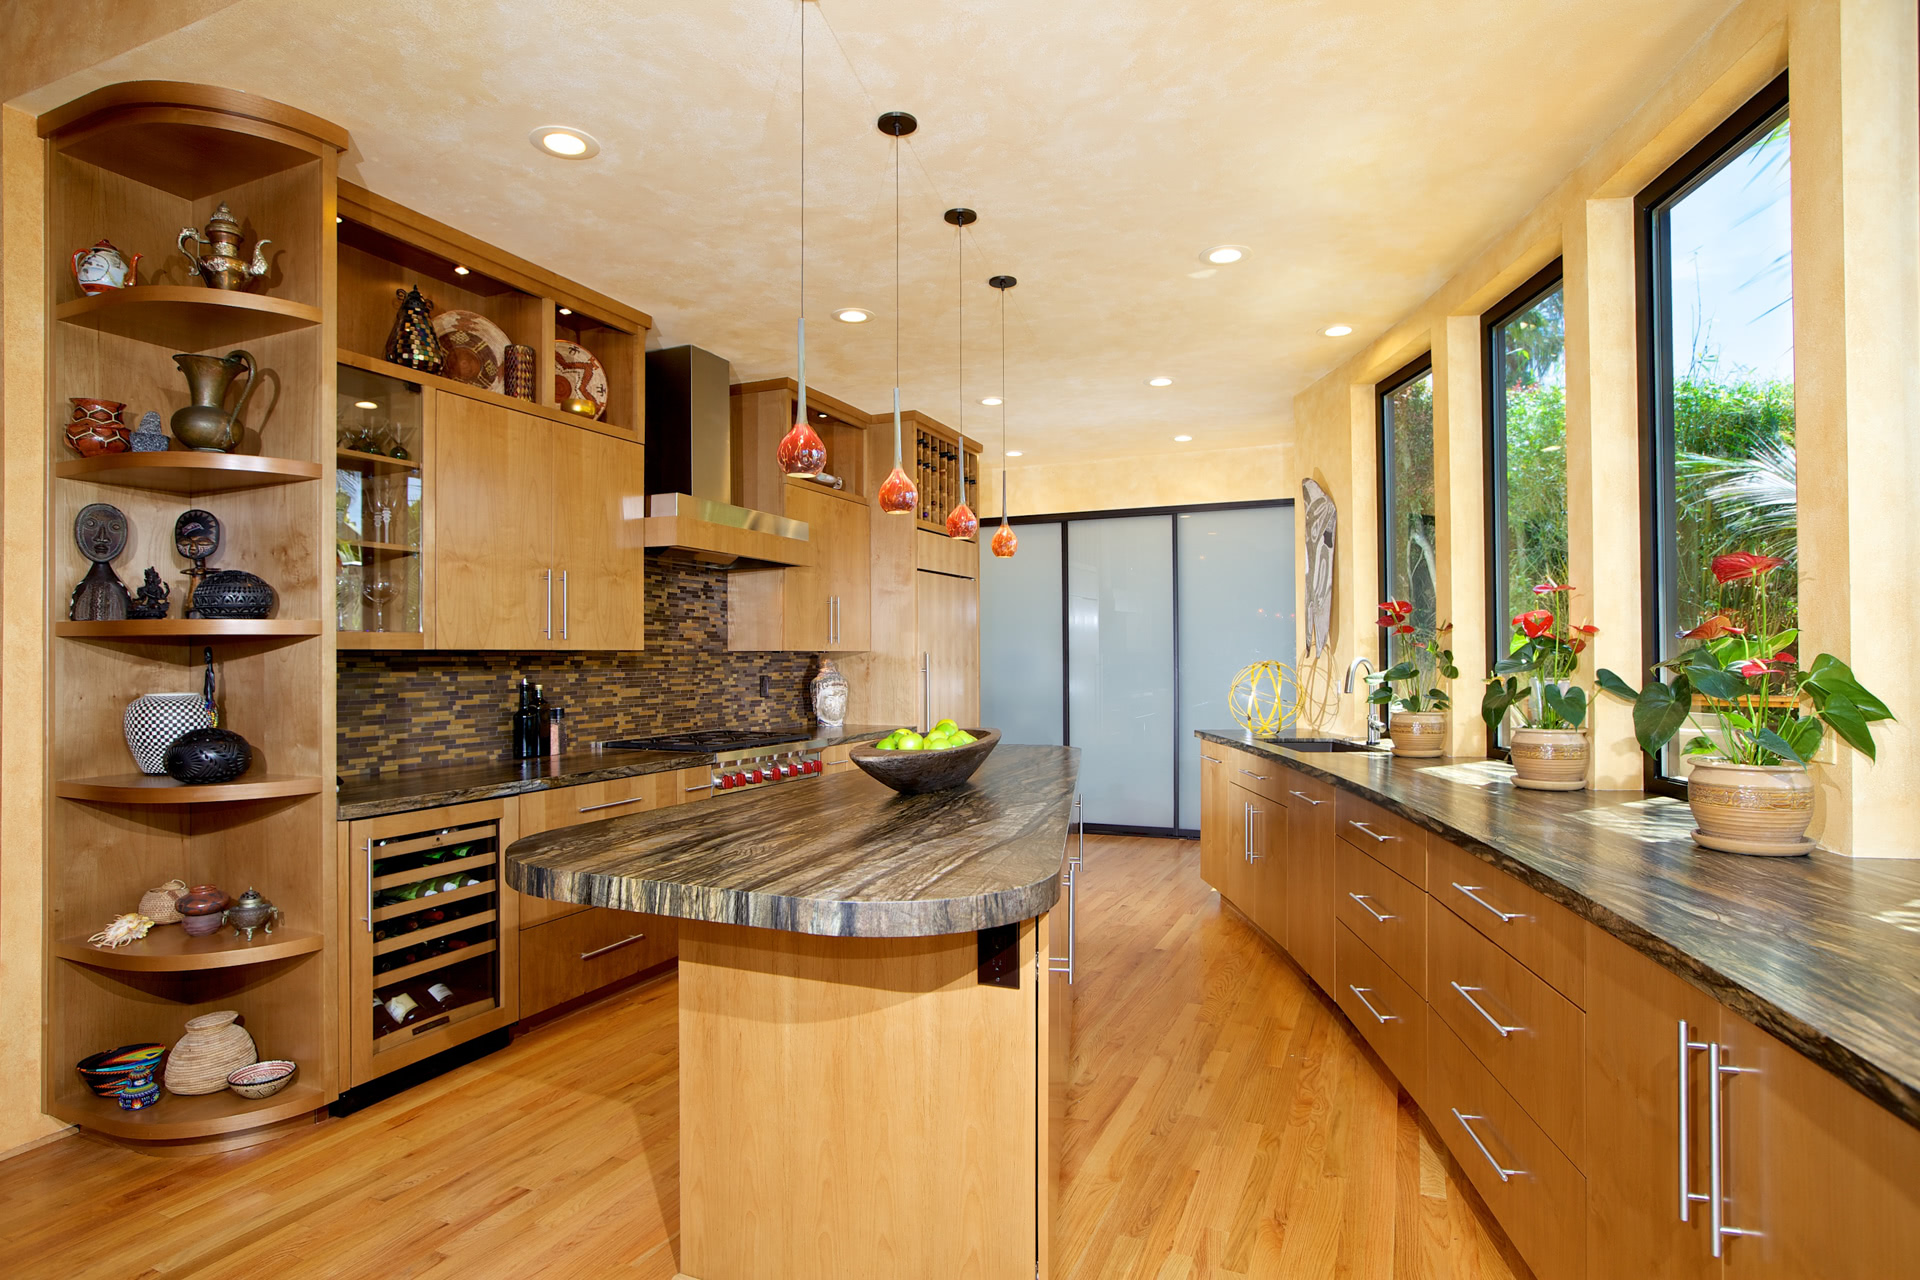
(251, 911)
(218, 260)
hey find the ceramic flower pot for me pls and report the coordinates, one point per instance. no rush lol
(1418, 734)
(1751, 808)
(1549, 759)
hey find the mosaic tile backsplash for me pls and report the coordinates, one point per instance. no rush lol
(409, 710)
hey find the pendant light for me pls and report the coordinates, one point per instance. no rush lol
(897, 495)
(1005, 541)
(962, 524)
(802, 454)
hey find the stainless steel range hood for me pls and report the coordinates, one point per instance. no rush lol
(689, 512)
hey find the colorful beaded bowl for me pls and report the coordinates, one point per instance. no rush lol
(107, 1074)
(262, 1079)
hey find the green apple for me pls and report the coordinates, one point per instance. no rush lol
(887, 743)
(909, 741)
(962, 738)
(949, 726)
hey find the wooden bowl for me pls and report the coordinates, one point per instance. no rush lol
(261, 1079)
(912, 773)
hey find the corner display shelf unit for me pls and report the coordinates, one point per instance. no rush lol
(134, 163)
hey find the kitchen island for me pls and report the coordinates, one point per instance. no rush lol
(872, 1031)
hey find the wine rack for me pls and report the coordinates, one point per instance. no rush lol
(940, 462)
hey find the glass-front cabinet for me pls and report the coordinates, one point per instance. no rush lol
(379, 510)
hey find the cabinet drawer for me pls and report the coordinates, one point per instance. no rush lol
(1259, 774)
(1528, 1035)
(1542, 935)
(566, 958)
(1533, 1189)
(1390, 1014)
(1392, 840)
(1385, 912)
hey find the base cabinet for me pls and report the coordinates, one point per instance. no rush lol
(1310, 872)
(565, 959)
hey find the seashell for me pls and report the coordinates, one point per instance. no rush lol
(130, 927)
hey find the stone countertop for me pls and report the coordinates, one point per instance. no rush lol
(842, 857)
(1822, 951)
(376, 795)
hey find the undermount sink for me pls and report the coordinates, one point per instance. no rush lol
(1323, 744)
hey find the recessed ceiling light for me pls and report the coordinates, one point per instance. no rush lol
(568, 144)
(365, 404)
(566, 311)
(990, 401)
(1015, 453)
(1181, 439)
(1339, 330)
(461, 271)
(337, 219)
(1160, 382)
(853, 315)
(1222, 254)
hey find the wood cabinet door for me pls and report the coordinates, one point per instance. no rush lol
(949, 627)
(850, 574)
(1215, 821)
(1054, 1066)
(1266, 872)
(1310, 859)
(493, 526)
(1637, 1146)
(806, 592)
(599, 552)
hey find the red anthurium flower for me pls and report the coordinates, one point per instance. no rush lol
(1752, 669)
(1549, 588)
(1577, 645)
(1587, 629)
(1535, 622)
(1403, 630)
(1737, 566)
(1713, 629)
(1785, 659)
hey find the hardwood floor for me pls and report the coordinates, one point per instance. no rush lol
(1224, 1122)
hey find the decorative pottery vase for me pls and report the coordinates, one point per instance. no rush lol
(232, 593)
(1418, 734)
(154, 721)
(829, 690)
(1549, 759)
(1751, 808)
(162, 903)
(138, 1091)
(202, 910)
(204, 424)
(252, 911)
(205, 757)
(103, 268)
(214, 1047)
(519, 371)
(412, 341)
(95, 427)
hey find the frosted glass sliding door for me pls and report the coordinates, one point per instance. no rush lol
(1022, 681)
(1120, 704)
(1235, 608)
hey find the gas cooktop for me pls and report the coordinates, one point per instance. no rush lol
(712, 741)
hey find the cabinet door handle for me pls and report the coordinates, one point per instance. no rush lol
(1506, 917)
(1466, 993)
(1253, 813)
(548, 630)
(1506, 1175)
(1251, 774)
(612, 946)
(1718, 1069)
(1071, 875)
(1246, 832)
(1361, 898)
(614, 804)
(1360, 994)
(1309, 799)
(369, 884)
(926, 690)
(1209, 759)
(564, 610)
(1370, 831)
(1688, 1046)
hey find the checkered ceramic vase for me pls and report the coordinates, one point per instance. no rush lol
(156, 721)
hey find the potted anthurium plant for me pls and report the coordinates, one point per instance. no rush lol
(1413, 691)
(1749, 791)
(1535, 684)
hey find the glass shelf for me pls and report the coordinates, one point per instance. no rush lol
(378, 503)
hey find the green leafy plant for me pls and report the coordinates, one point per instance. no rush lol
(1769, 711)
(1417, 680)
(1535, 679)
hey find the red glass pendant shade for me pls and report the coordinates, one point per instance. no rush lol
(898, 496)
(962, 523)
(1005, 543)
(802, 454)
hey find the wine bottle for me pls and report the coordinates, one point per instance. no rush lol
(526, 727)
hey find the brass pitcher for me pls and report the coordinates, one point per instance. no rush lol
(205, 424)
(215, 257)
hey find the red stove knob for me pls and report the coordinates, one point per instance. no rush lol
(726, 782)
(814, 766)
(759, 775)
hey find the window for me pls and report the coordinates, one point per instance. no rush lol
(1409, 556)
(1526, 450)
(1717, 254)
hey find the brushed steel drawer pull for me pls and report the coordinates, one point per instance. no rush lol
(1717, 1068)
(1260, 777)
(1506, 1175)
(1361, 898)
(1466, 993)
(612, 804)
(1360, 993)
(1688, 1196)
(612, 946)
(1209, 759)
(1309, 799)
(1506, 917)
(1370, 831)
(705, 786)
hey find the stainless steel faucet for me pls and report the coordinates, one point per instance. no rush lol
(1374, 725)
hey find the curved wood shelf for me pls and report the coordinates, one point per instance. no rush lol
(389, 548)
(184, 317)
(186, 471)
(168, 949)
(355, 459)
(193, 629)
(140, 788)
(202, 1115)
(400, 373)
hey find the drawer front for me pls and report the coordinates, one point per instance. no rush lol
(1528, 1035)
(1393, 841)
(570, 806)
(1385, 912)
(1533, 1189)
(1262, 775)
(1542, 935)
(1390, 1013)
(566, 958)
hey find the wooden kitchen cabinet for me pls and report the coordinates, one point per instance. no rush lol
(1266, 868)
(823, 607)
(1310, 877)
(949, 626)
(599, 553)
(1217, 820)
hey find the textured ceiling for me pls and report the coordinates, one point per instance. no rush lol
(1361, 150)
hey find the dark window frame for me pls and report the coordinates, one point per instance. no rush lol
(1413, 370)
(1653, 273)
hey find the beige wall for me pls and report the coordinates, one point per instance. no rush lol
(1857, 333)
(1164, 480)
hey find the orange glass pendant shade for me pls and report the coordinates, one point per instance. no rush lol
(1005, 543)
(962, 523)
(802, 454)
(897, 495)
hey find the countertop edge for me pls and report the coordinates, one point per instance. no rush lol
(1849, 1064)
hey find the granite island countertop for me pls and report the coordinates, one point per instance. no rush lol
(841, 857)
(1822, 951)
(402, 791)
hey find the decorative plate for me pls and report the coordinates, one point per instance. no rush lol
(577, 373)
(475, 347)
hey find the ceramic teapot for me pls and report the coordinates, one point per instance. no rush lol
(103, 268)
(216, 258)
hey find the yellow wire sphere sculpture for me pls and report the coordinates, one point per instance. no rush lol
(1265, 698)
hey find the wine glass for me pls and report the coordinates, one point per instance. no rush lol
(379, 590)
(382, 518)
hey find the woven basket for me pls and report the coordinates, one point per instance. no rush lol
(215, 1046)
(161, 905)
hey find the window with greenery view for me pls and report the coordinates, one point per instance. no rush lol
(1410, 556)
(1528, 351)
(1722, 351)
